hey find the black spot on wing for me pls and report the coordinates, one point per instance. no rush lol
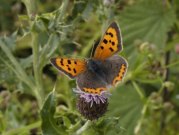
(102, 47)
(115, 26)
(69, 69)
(111, 34)
(61, 62)
(69, 62)
(111, 49)
(74, 70)
(105, 41)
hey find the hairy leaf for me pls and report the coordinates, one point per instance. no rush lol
(49, 124)
(126, 104)
(148, 20)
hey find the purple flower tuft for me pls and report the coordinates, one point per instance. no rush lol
(91, 98)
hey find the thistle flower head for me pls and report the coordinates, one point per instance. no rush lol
(92, 106)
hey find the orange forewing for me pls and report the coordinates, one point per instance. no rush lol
(110, 43)
(71, 67)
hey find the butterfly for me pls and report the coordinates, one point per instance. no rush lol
(103, 69)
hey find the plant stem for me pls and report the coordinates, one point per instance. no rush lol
(32, 9)
(176, 63)
(37, 69)
(144, 111)
(139, 91)
(83, 128)
(165, 93)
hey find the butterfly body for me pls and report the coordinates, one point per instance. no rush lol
(103, 69)
(93, 65)
(96, 66)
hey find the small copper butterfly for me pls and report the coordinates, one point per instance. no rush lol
(105, 68)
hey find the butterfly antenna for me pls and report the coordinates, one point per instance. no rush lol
(95, 44)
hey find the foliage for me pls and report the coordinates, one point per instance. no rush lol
(34, 31)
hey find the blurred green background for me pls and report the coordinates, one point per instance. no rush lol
(35, 99)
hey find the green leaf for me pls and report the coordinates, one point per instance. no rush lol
(15, 67)
(31, 7)
(24, 41)
(86, 13)
(148, 20)
(49, 123)
(126, 104)
(67, 122)
(26, 62)
(48, 49)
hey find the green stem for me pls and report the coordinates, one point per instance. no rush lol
(139, 91)
(83, 128)
(143, 113)
(32, 9)
(37, 69)
(165, 92)
(172, 64)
